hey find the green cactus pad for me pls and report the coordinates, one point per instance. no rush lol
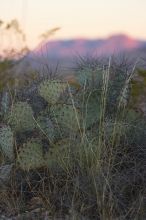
(66, 116)
(59, 155)
(46, 127)
(31, 156)
(6, 142)
(90, 78)
(51, 90)
(21, 117)
(5, 103)
(91, 110)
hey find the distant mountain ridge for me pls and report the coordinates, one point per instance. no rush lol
(69, 48)
(61, 53)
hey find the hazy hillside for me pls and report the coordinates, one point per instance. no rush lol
(64, 53)
(72, 47)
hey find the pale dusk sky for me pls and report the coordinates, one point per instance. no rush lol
(77, 18)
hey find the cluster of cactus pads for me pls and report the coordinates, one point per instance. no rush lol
(42, 140)
(44, 131)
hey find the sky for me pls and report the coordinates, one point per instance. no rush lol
(77, 18)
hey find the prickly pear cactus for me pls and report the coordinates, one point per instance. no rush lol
(60, 154)
(66, 116)
(46, 127)
(30, 156)
(51, 90)
(91, 110)
(5, 103)
(90, 78)
(21, 117)
(6, 142)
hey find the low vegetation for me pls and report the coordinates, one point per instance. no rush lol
(74, 148)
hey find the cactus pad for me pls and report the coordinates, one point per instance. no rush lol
(46, 127)
(92, 79)
(59, 155)
(6, 142)
(66, 116)
(31, 156)
(21, 117)
(51, 90)
(91, 110)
